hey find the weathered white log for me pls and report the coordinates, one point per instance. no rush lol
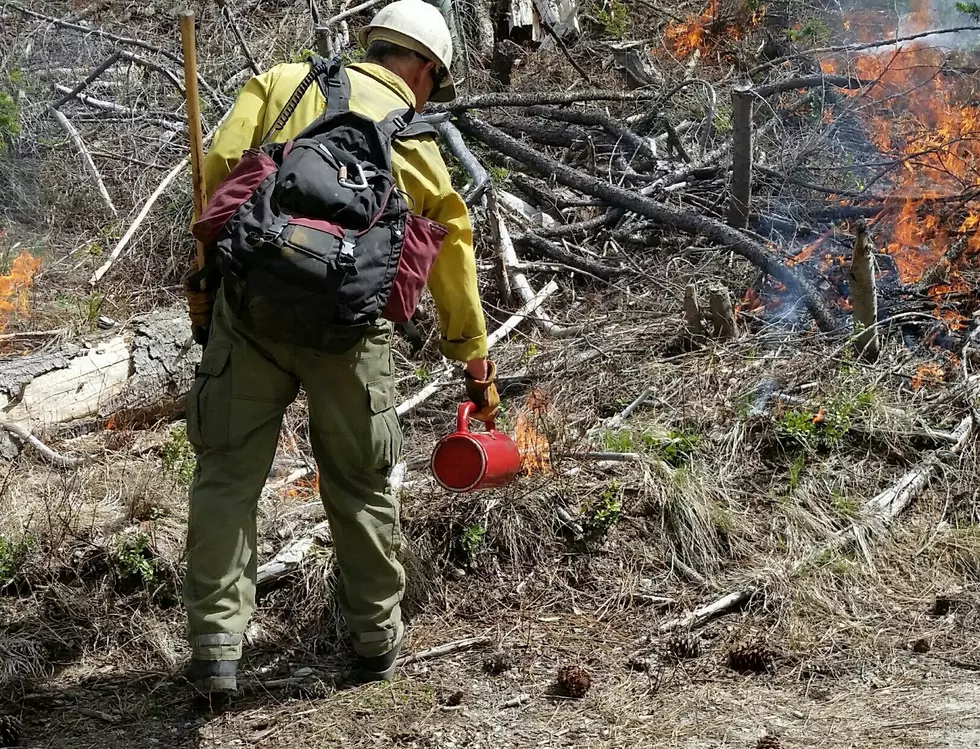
(864, 296)
(449, 648)
(139, 369)
(90, 167)
(50, 455)
(170, 122)
(443, 377)
(291, 556)
(145, 210)
(722, 314)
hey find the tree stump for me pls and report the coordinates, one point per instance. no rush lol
(864, 296)
(722, 313)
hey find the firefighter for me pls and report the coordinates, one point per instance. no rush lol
(246, 382)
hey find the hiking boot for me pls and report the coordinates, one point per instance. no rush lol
(213, 679)
(375, 668)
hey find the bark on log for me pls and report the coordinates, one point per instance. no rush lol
(530, 99)
(636, 143)
(864, 296)
(666, 215)
(140, 372)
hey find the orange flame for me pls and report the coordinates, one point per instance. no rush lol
(929, 122)
(15, 287)
(928, 374)
(704, 31)
(534, 448)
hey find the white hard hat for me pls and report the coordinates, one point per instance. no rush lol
(420, 27)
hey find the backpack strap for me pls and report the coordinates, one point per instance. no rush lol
(334, 83)
(401, 125)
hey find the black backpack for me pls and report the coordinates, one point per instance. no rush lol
(313, 234)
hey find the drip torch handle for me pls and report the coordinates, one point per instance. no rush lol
(463, 415)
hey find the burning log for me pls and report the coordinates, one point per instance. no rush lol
(663, 214)
(864, 296)
(692, 313)
(738, 206)
(939, 272)
(722, 314)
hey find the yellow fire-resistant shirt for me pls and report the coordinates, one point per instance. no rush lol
(417, 164)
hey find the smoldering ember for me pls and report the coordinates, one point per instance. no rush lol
(727, 254)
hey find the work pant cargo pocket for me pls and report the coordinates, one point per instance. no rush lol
(209, 400)
(386, 433)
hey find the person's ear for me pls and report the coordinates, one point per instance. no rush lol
(429, 70)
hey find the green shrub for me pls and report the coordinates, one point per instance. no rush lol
(179, 458)
(602, 514)
(134, 560)
(472, 540)
(13, 554)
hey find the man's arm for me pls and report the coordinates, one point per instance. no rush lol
(422, 174)
(244, 129)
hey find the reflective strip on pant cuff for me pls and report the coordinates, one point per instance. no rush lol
(219, 638)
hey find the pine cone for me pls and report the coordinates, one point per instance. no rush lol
(573, 681)
(10, 729)
(769, 742)
(754, 658)
(684, 646)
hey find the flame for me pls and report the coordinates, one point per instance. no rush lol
(683, 38)
(705, 31)
(534, 448)
(15, 287)
(928, 374)
(919, 114)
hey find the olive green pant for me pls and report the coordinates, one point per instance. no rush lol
(234, 413)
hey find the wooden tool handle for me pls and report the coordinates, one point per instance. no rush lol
(187, 37)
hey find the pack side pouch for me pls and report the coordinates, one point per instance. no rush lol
(236, 190)
(423, 242)
(307, 254)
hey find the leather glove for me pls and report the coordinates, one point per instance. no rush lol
(484, 394)
(200, 302)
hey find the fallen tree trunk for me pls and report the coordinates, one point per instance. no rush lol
(139, 374)
(486, 101)
(687, 222)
